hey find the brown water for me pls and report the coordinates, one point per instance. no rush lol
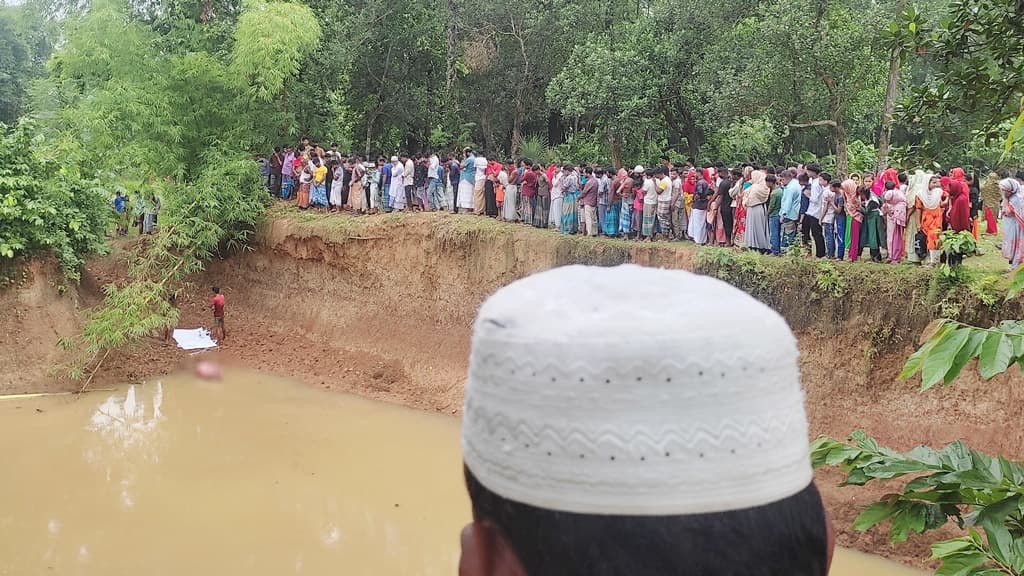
(251, 475)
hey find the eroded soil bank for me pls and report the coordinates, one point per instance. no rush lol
(382, 307)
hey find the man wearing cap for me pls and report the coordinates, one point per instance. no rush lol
(596, 442)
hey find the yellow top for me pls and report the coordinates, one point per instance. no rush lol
(320, 174)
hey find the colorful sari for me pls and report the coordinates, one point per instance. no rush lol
(570, 213)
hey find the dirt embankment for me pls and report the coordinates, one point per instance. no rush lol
(382, 307)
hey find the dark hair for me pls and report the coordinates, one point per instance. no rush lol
(889, 185)
(825, 175)
(770, 169)
(216, 290)
(567, 166)
(804, 178)
(277, 148)
(770, 179)
(836, 182)
(588, 170)
(787, 173)
(737, 173)
(786, 537)
(863, 191)
(665, 157)
(902, 177)
(813, 168)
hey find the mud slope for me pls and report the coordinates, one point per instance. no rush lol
(382, 306)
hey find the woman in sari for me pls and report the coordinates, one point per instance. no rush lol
(854, 218)
(755, 201)
(570, 221)
(889, 175)
(929, 205)
(627, 193)
(1013, 221)
(740, 213)
(305, 180)
(543, 207)
(895, 210)
(871, 234)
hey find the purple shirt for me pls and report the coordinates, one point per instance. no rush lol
(287, 169)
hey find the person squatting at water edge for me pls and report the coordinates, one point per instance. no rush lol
(897, 217)
(599, 440)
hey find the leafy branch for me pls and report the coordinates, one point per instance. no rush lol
(974, 489)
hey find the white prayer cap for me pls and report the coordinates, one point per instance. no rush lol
(394, 158)
(638, 169)
(633, 391)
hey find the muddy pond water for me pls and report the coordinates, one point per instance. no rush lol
(251, 475)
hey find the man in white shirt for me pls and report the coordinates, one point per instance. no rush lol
(812, 218)
(435, 191)
(409, 172)
(396, 191)
(665, 203)
(650, 190)
(480, 168)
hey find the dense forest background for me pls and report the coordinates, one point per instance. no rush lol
(617, 81)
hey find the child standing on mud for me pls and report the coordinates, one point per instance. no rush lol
(218, 314)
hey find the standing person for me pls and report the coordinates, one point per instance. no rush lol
(812, 217)
(726, 203)
(501, 185)
(679, 222)
(385, 183)
(650, 206)
(217, 305)
(528, 191)
(356, 198)
(287, 173)
(511, 205)
(467, 182)
(871, 234)
(755, 201)
(1013, 221)
(895, 210)
(613, 215)
(588, 200)
(491, 171)
(149, 215)
(604, 192)
(377, 190)
(698, 215)
(828, 217)
(276, 170)
(480, 180)
(454, 170)
(638, 203)
(396, 195)
(627, 193)
(664, 208)
(570, 221)
(435, 177)
(557, 178)
(409, 174)
(121, 229)
(839, 202)
(335, 197)
(318, 193)
(789, 212)
(305, 181)
(543, 206)
(959, 211)
(854, 217)
(775, 214)
(929, 206)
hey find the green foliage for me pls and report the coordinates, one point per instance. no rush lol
(962, 242)
(46, 206)
(534, 147)
(270, 41)
(828, 280)
(976, 490)
(749, 139)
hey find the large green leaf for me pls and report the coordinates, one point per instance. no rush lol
(874, 514)
(943, 356)
(970, 350)
(996, 354)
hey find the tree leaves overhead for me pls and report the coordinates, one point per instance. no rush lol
(270, 41)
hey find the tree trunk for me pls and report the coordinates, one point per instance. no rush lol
(616, 146)
(451, 33)
(892, 91)
(369, 136)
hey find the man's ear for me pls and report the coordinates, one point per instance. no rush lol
(486, 552)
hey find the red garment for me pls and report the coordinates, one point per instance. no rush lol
(218, 306)
(990, 222)
(690, 184)
(959, 207)
(944, 183)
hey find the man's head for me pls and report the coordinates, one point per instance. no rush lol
(770, 180)
(594, 454)
(814, 169)
(824, 178)
(216, 289)
(785, 176)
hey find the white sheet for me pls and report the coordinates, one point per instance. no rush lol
(195, 339)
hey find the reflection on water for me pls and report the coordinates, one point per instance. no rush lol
(251, 475)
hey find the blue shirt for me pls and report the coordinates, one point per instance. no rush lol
(469, 169)
(385, 176)
(791, 195)
(119, 204)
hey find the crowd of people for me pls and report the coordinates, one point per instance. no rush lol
(893, 215)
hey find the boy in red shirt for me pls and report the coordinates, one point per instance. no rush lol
(218, 313)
